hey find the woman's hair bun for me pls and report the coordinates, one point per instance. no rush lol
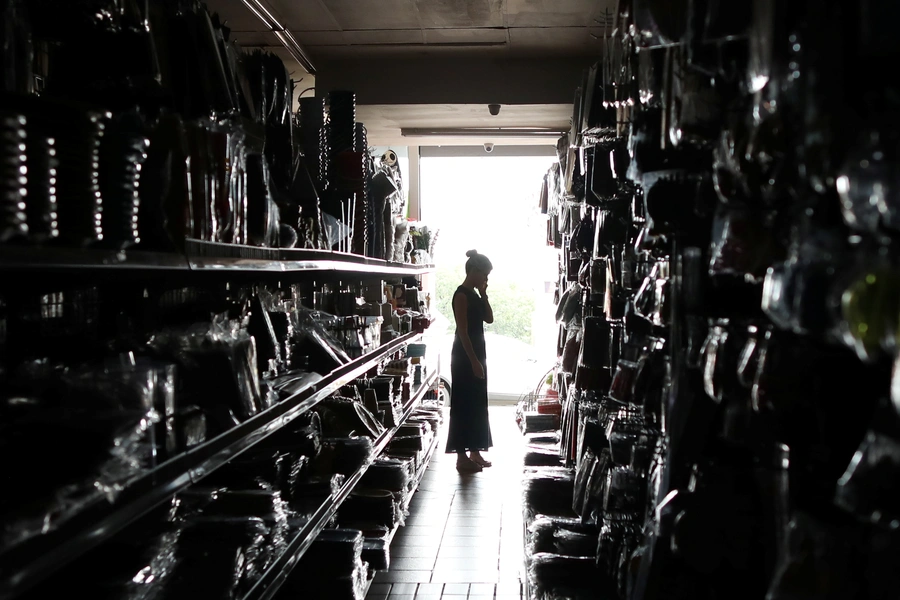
(472, 253)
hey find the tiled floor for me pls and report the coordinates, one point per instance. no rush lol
(463, 536)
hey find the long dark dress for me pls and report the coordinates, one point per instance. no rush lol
(469, 426)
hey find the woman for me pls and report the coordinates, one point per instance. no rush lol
(469, 428)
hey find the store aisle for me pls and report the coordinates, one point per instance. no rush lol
(463, 536)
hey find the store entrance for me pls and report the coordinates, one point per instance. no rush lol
(490, 203)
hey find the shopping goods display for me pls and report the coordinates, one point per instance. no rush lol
(191, 138)
(728, 280)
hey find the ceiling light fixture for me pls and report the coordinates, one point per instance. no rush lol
(484, 132)
(284, 36)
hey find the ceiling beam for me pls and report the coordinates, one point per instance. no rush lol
(454, 80)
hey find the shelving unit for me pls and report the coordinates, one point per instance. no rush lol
(205, 256)
(200, 257)
(31, 562)
(276, 575)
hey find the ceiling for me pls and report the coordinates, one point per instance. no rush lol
(437, 63)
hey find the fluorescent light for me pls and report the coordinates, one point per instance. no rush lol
(284, 36)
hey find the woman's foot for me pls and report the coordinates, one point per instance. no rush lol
(479, 460)
(466, 465)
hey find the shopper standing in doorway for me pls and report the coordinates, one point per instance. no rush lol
(470, 430)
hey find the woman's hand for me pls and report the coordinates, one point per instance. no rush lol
(478, 369)
(482, 289)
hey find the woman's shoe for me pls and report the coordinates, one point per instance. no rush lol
(480, 461)
(468, 466)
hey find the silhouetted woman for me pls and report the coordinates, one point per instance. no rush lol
(470, 430)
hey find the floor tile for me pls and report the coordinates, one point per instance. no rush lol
(413, 551)
(452, 576)
(404, 589)
(464, 564)
(430, 588)
(412, 564)
(473, 531)
(403, 576)
(416, 540)
(418, 530)
(469, 542)
(462, 530)
(482, 589)
(467, 552)
(457, 589)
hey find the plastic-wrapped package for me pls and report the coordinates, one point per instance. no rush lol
(217, 365)
(542, 457)
(324, 354)
(343, 455)
(742, 245)
(555, 577)
(291, 383)
(386, 473)
(218, 557)
(869, 487)
(346, 417)
(548, 491)
(870, 306)
(817, 562)
(370, 506)
(595, 489)
(568, 537)
(265, 504)
(586, 463)
(104, 416)
(312, 491)
(377, 553)
(334, 553)
(300, 584)
(190, 427)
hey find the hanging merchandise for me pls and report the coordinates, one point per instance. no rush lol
(742, 274)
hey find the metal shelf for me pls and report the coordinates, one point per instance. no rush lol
(199, 256)
(31, 258)
(31, 562)
(209, 256)
(277, 574)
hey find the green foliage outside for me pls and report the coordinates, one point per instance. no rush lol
(513, 304)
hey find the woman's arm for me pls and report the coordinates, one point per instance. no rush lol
(460, 310)
(488, 311)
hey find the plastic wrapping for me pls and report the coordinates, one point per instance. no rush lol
(869, 487)
(106, 419)
(817, 562)
(343, 455)
(548, 491)
(743, 245)
(386, 473)
(555, 577)
(371, 506)
(346, 417)
(313, 341)
(586, 464)
(377, 553)
(218, 557)
(217, 364)
(567, 537)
